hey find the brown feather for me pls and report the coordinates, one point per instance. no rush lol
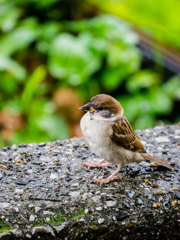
(108, 102)
(157, 160)
(124, 136)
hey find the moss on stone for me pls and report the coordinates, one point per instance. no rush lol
(61, 217)
(57, 219)
(5, 227)
(79, 213)
(37, 223)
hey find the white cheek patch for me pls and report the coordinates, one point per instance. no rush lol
(98, 116)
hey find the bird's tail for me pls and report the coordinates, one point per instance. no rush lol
(157, 160)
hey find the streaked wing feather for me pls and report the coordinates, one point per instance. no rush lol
(124, 136)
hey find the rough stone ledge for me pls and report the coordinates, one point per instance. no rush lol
(45, 193)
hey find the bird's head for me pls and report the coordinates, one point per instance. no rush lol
(103, 107)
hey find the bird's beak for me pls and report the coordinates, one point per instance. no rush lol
(87, 107)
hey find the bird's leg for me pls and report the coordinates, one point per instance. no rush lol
(101, 163)
(110, 178)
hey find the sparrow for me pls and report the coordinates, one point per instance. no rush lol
(111, 137)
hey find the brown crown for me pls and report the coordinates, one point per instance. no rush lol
(108, 102)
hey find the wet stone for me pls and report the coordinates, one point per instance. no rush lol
(19, 191)
(42, 230)
(177, 196)
(74, 194)
(75, 185)
(177, 132)
(22, 145)
(21, 183)
(131, 194)
(5, 236)
(61, 227)
(32, 218)
(175, 151)
(1, 174)
(110, 203)
(4, 149)
(121, 217)
(4, 205)
(151, 197)
(139, 202)
(167, 179)
(89, 176)
(53, 190)
(28, 236)
(42, 144)
(101, 220)
(102, 229)
(99, 208)
(54, 176)
(162, 139)
(159, 192)
(135, 170)
(17, 233)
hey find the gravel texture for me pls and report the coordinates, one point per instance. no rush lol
(45, 193)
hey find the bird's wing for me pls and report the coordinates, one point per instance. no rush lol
(124, 136)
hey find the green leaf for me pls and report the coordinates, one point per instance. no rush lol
(113, 77)
(8, 85)
(96, 45)
(19, 39)
(172, 87)
(107, 27)
(31, 87)
(8, 16)
(54, 126)
(42, 4)
(142, 79)
(9, 65)
(145, 121)
(49, 31)
(123, 57)
(160, 102)
(71, 59)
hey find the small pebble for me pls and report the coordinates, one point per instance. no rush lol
(110, 203)
(174, 203)
(19, 191)
(162, 139)
(159, 192)
(131, 194)
(99, 208)
(32, 218)
(101, 220)
(139, 201)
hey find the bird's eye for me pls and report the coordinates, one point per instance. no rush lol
(100, 108)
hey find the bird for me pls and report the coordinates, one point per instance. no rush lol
(111, 137)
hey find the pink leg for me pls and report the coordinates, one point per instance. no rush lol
(101, 163)
(110, 178)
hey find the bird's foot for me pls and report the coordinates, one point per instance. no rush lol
(101, 163)
(106, 180)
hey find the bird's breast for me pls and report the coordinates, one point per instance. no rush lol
(98, 135)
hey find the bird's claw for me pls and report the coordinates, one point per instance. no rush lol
(96, 164)
(106, 180)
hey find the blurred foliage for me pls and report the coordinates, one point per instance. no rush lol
(161, 21)
(44, 48)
